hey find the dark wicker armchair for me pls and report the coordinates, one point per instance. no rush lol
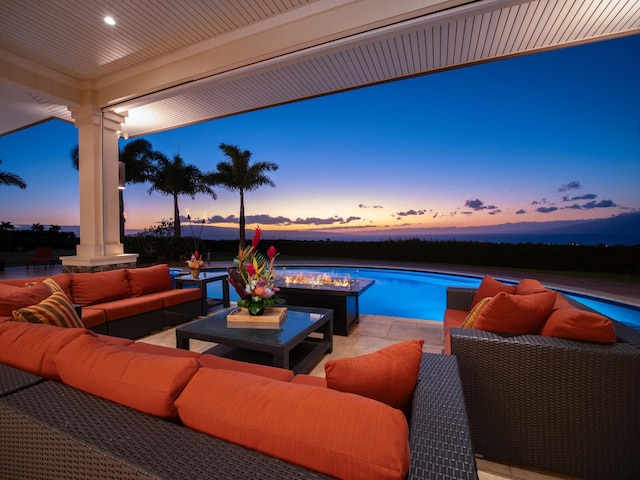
(565, 406)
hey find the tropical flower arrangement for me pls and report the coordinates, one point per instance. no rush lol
(253, 277)
(195, 262)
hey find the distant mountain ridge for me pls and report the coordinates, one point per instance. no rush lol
(623, 229)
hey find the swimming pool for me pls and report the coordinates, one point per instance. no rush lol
(422, 295)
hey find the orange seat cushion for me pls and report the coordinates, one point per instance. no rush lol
(92, 317)
(519, 314)
(93, 288)
(13, 298)
(162, 350)
(174, 297)
(335, 433)
(143, 281)
(128, 307)
(490, 287)
(388, 375)
(149, 383)
(575, 324)
(275, 373)
(32, 347)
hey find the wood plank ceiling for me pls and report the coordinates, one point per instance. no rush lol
(62, 38)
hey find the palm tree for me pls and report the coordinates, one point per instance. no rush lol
(174, 177)
(239, 174)
(11, 179)
(138, 157)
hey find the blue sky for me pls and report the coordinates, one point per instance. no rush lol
(544, 137)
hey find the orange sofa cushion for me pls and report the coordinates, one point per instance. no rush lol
(54, 310)
(149, 383)
(143, 281)
(490, 287)
(174, 297)
(162, 350)
(519, 314)
(32, 347)
(575, 324)
(527, 286)
(335, 433)
(128, 307)
(275, 373)
(92, 317)
(452, 319)
(92, 288)
(388, 375)
(12, 297)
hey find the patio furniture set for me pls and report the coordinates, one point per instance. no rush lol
(559, 404)
(566, 405)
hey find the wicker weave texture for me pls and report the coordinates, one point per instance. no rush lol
(440, 436)
(12, 379)
(561, 405)
(51, 431)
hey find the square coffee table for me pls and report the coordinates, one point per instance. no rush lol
(298, 345)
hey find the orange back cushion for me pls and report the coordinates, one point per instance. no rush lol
(33, 347)
(527, 286)
(575, 324)
(519, 314)
(143, 281)
(388, 375)
(490, 287)
(149, 383)
(335, 433)
(92, 288)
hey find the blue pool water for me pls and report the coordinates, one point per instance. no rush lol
(422, 295)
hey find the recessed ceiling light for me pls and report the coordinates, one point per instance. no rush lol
(109, 21)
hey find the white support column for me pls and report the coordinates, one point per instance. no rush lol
(100, 247)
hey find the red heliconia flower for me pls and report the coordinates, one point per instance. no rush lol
(251, 270)
(256, 238)
(196, 255)
(271, 252)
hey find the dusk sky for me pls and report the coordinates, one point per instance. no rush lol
(544, 137)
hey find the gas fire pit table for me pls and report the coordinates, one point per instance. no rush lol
(340, 293)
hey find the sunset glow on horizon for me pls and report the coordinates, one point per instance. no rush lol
(544, 137)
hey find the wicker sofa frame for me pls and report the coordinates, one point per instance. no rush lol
(51, 431)
(560, 405)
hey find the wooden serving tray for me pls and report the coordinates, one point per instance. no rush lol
(273, 317)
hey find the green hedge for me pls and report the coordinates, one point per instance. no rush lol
(579, 258)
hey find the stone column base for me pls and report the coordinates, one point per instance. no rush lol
(75, 264)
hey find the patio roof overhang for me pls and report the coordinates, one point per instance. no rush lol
(167, 64)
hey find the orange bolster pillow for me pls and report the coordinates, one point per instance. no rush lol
(32, 347)
(147, 382)
(339, 434)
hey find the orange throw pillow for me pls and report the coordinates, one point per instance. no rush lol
(474, 313)
(12, 298)
(55, 310)
(149, 279)
(576, 324)
(32, 347)
(519, 314)
(149, 383)
(527, 286)
(388, 375)
(335, 433)
(489, 287)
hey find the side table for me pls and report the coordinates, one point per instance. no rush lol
(201, 282)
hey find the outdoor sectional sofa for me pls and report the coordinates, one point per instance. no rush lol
(128, 303)
(75, 404)
(560, 404)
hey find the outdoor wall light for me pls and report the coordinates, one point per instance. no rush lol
(121, 177)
